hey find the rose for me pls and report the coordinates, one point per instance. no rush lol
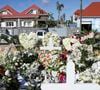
(62, 77)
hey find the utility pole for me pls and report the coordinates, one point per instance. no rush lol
(80, 15)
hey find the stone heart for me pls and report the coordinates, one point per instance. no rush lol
(28, 41)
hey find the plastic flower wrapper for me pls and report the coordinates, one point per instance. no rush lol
(28, 41)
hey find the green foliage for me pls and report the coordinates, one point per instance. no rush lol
(11, 82)
(7, 38)
(9, 64)
(51, 23)
(29, 57)
(10, 39)
(39, 43)
(15, 39)
(89, 41)
(59, 7)
(84, 61)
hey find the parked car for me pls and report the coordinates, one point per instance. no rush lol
(41, 33)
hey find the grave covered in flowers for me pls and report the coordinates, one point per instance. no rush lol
(45, 61)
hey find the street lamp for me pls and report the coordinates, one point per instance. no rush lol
(80, 15)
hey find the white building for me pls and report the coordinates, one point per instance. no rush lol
(33, 15)
(90, 17)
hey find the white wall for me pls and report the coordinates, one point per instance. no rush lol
(3, 24)
(97, 24)
(94, 21)
(27, 23)
(24, 23)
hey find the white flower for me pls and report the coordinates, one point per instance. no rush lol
(7, 73)
(90, 48)
(30, 54)
(14, 58)
(96, 66)
(76, 55)
(85, 76)
(54, 73)
(9, 37)
(62, 69)
(67, 43)
(55, 39)
(16, 64)
(91, 35)
(28, 41)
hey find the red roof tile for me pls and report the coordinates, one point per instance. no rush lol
(10, 9)
(32, 8)
(93, 10)
(23, 14)
(19, 16)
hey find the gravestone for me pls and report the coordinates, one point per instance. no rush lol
(50, 46)
(70, 68)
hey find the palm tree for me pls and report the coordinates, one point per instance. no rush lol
(51, 16)
(59, 8)
(62, 18)
(51, 21)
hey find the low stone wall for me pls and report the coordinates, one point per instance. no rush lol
(17, 31)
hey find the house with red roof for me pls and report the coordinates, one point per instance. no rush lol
(30, 17)
(90, 17)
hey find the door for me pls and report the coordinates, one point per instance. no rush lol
(87, 27)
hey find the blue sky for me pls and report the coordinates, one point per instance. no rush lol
(49, 5)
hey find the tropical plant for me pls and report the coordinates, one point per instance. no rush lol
(59, 7)
(51, 16)
(51, 22)
(62, 18)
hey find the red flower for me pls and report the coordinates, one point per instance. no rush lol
(62, 77)
(63, 56)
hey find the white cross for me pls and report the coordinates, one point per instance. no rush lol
(50, 46)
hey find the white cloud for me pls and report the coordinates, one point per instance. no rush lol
(45, 1)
